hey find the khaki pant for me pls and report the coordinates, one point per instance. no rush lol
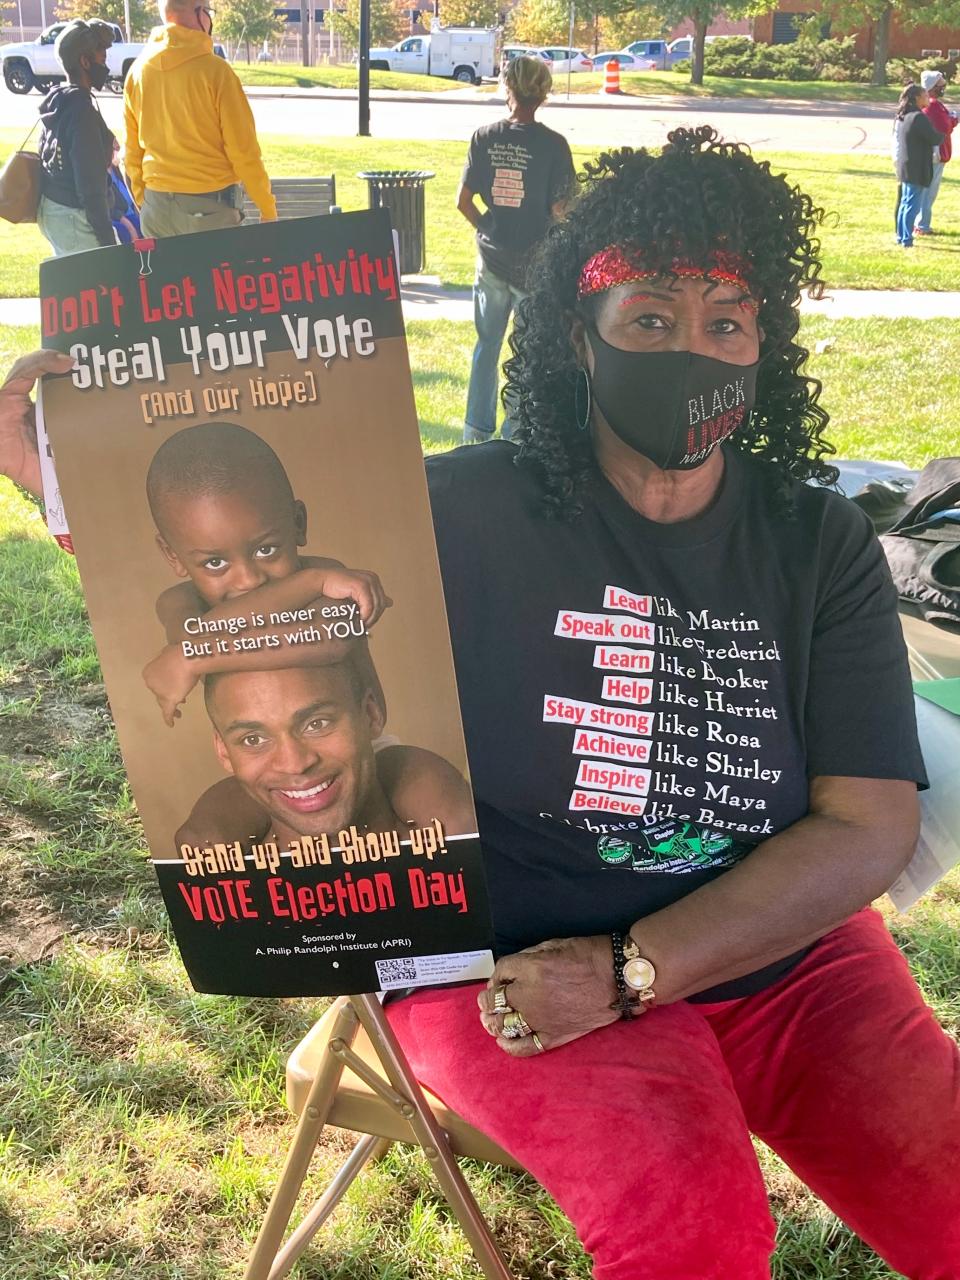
(167, 213)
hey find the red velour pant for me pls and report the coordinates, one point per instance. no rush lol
(641, 1130)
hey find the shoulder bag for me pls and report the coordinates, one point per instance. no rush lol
(20, 184)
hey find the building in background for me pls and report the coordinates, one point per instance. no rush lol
(29, 15)
(778, 27)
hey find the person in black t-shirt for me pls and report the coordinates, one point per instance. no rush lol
(523, 173)
(690, 728)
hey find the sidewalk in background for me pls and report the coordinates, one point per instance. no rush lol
(424, 299)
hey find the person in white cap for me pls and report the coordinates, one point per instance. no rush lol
(944, 122)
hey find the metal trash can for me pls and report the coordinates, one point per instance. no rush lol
(402, 192)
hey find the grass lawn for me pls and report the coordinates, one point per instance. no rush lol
(283, 75)
(655, 84)
(857, 191)
(634, 84)
(142, 1126)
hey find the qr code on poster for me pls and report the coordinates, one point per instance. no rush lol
(396, 973)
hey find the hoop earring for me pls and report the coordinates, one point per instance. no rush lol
(583, 380)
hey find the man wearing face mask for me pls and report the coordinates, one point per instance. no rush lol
(191, 140)
(76, 145)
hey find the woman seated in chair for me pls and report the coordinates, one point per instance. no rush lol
(691, 733)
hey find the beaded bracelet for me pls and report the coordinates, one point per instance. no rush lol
(625, 1002)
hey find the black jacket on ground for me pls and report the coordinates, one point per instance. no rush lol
(917, 139)
(75, 148)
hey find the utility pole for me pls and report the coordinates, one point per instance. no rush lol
(363, 69)
(573, 10)
(126, 19)
(306, 22)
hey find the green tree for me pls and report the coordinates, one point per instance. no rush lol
(466, 13)
(596, 22)
(143, 15)
(386, 22)
(879, 14)
(539, 22)
(642, 22)
(250, 21)
(701, 13)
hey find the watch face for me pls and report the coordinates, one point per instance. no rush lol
(639, 974)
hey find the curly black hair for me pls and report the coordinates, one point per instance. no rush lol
(698, 195)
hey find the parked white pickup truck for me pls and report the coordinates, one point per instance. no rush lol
(463, 53)
(34, 65)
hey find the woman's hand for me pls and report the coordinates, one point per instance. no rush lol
(18, 429)
(562, 989)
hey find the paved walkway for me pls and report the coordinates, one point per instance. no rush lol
(424, 299)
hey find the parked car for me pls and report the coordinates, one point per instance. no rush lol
(511, 51)
(682, 47)
(655, 51)
(33, 63)
(463, 53)
(628, 61)
(564, 60)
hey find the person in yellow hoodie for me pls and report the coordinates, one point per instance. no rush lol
(191, 139)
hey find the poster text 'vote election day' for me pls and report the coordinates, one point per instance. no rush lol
(239, 463)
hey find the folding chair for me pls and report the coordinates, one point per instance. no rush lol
(934, 651)
(378, 1097)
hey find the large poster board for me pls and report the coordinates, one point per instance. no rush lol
(240, 468)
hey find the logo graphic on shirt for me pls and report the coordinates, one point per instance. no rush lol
(614, 850)
(671, 846)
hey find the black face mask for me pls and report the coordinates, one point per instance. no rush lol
(99, 74)
(674, 407)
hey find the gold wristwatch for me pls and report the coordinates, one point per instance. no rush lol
(638, 972)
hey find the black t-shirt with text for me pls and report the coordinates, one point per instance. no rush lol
(520, 171)
(644, 703)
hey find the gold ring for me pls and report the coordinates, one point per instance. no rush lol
(500, 999)
(514, 1027)
(536, 1041)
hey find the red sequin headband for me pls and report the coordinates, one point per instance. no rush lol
(616, 265)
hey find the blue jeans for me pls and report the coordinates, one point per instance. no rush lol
(929, 195)
(67, 229)
(910, 200)
(493, 301)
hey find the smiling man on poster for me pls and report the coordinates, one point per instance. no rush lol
(301, 742)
